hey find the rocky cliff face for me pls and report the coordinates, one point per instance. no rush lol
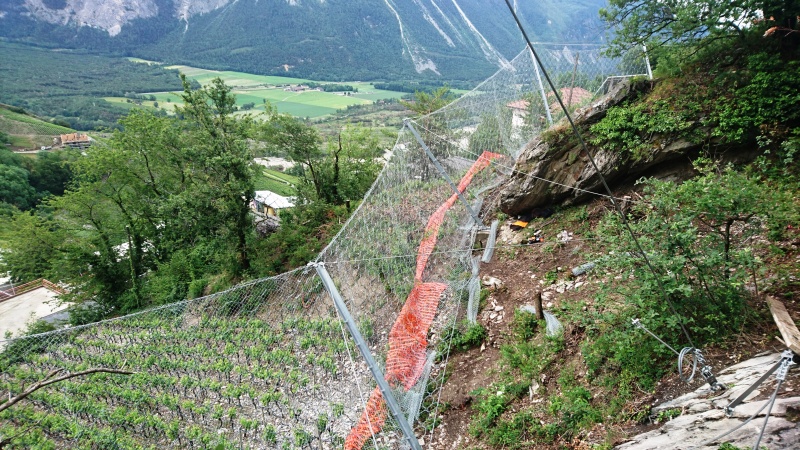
(557, 156)
(106, 15)
(386, 38)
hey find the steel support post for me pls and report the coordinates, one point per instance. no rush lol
(386, 390)
(647, 61)
(541, 90)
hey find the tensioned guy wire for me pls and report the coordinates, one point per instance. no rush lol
(600, 174)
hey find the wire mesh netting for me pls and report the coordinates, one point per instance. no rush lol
(269, 364)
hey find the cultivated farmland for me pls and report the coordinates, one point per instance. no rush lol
(256, 89)
(28, 131)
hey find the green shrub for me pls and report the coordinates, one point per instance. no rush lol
(456, 339)
(524, 324)
(631, 129)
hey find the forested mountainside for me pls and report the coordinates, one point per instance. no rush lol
(320, 39)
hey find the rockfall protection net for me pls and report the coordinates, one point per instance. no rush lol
(269, 364)
(408, 337)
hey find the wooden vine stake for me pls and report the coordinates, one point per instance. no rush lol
(787, 327)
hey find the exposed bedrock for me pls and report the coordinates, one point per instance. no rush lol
(556, 156)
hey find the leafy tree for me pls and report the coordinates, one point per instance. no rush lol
(698, 237)
(30, 247)
(159, 205)
(14, 187)
(433, 128)
(222, 161)
(300, 142)
(350, 166)
(658, 23)
(425, 103)
(488, 135)
(50, 173)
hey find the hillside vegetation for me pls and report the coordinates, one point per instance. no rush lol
(715, 246)
(335, 40)
(68, 86)
(158, 217)
(26, 131)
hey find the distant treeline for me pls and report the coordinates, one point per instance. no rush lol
(331, 87)
(427, 87)
(68, 87)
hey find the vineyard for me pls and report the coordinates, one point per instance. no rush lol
(29, 131)
(270, 363)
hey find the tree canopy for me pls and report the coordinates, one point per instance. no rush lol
(663, 22)
(161, 193)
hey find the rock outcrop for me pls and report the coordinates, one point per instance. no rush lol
(702, 415)
(106, 15)
(553, 168)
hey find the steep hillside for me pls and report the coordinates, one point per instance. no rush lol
(336, 39)
(703, 167)
(26, 131)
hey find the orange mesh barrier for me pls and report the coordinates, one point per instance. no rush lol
(370, 422)
(432, 230)
(408, 337)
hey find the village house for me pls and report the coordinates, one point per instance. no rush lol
(269, 203)
(576, 96)
(73, 140)
(265, 207)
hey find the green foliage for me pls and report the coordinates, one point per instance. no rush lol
(51, 172)
(304, 231)
(15, 188)
(524, 325)
(668, 414)
(425, 103)
(658, 23)
(573, 408)
(24, 182)
(31, 245)
(487, 136)
(697, 237)
(761, 99)
(163, 203)
(636, 129)
(463, 338)
(492, 402)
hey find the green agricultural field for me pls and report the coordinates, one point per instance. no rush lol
(277, 182)
(256, 89)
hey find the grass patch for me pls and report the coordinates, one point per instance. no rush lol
(277, 182)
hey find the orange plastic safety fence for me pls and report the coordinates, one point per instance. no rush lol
(407, 339)
(370, 422)
(432, 230)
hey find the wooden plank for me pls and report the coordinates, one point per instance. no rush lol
(787, 327)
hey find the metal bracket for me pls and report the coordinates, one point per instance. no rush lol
(782, 367)
(707, 373)
(705, 369)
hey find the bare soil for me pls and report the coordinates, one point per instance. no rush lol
(525, 270)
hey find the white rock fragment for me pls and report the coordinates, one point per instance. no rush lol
(492, 282)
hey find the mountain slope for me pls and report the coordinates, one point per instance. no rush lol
(334, 39)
